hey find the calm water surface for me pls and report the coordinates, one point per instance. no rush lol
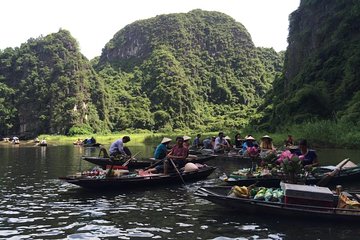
(36, 205)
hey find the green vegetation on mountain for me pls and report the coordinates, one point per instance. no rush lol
(321, 77)
(198, 70)
(49, 87)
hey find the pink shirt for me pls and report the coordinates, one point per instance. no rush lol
(179, 151)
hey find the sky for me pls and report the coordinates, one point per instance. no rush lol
(94, 22)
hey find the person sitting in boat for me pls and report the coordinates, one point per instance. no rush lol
(221, 144)
(228, 140)
(249, 143)
(186, 141)
(177, 155)
(78, 142)
(197, 141)
(162, 149)
(92, 140)
(266, 143)
(43, 141)
(289, 141)
(238, 141)
(307, 156)
(207, 143)
(117, 148)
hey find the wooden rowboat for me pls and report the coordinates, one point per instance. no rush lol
(137, 164)
(135, 181)
(347, 175)
(219, 195)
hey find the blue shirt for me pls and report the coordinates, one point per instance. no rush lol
(160, 151)
(117, 147)
(309, 157)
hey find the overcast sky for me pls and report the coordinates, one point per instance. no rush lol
(94, 22)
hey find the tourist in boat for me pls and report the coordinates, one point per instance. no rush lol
(266, 143)
(43, 142)
(92, 140)
(221, 144)
(197, 141)
(207, 143)
(186, 141)
(162, 149)
(117, 148)
(249, 143)
(238, 141)
(307, 156)
(78, 142)
(177, 155)
(228, 140)
(289, 141)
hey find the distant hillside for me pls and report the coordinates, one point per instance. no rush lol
(196, 70)
(321, 77)
(48, 87)
(187, 70)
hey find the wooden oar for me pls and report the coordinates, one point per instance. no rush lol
(131, 158)
(124, 164)
(326, 179)
(177, 170)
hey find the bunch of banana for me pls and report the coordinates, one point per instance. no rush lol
(242, 192)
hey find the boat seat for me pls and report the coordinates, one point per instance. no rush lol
(103, 152)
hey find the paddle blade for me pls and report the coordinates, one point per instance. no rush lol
(326, 179)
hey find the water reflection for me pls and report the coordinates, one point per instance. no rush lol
(34, 204)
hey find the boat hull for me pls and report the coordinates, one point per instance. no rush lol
(257, 207)
(345, 176)
(136, 164)
(129, 182)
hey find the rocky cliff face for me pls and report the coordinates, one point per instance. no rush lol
(319, 70)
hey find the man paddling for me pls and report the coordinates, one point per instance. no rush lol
(117, 148)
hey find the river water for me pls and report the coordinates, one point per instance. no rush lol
(36, 205)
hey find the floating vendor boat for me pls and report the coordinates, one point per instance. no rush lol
(137, 164)
(291, 200)
(270, 178)
(120, 181)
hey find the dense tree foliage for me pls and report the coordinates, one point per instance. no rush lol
(321, 77)
(198, 70)
(49, 87)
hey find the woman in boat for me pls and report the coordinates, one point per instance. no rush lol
(238, 141)
(249, 143)
(307, 156)
(177, 155)
(266, 143)
(289, 141)
(186, 141)
(197, 142)
(162, 149)
(117, 148)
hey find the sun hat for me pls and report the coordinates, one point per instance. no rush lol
(266, 136)
(186, 138)
(249, 138)
(227, 138)
(165, 140)
(190, 167)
